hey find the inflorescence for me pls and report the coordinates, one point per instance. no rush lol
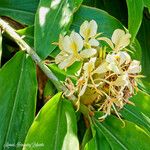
(106, 80)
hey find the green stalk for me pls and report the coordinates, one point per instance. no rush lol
(25, 47)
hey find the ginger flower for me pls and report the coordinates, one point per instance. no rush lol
(114, 62)
(87, 72)
(106, 80)
(88, 30)
(70, 47)
(72, 50)
(119, 40)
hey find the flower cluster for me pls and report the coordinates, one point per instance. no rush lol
(107, 79)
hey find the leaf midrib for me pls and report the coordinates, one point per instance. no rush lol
(15, 100)
(118, 141)
(129, 111)
(57, 126)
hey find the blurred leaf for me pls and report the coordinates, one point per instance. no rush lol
(28, 34)
(135, 15)
(144, 39)
(54, 127)
(52, 18)
(20, 10)
(122, 138)
(119, 11)
(91, 3)
(17, 99)
(0, 47)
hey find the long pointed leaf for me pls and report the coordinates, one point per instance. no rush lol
(55, 127)
(17, 100)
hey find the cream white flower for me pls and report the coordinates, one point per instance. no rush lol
(134, 67)
(117, 60)
(119, 40)
(88, 69)
(88, 30)
(70, 47)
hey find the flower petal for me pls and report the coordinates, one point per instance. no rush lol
(117, 35)
(121, 81)
(120, 39)
(89, 66)
(113, 67)
(87, 53)
(77, 40)
(83, 89)
(67, 62)
(123, 57)
(134, 67)
(61, 41)
(88, 29)
(93, 42)
(60, 57)
(67, 44)
(83, 29)
(110, 58)
(103, 68)
(93, 28)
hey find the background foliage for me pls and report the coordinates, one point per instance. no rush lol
(25, 115)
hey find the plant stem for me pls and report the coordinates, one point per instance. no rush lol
(25, 47)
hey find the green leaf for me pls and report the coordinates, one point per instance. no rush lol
(52, 18)
(122, 138)
(135, 14)
(106, 23)
(17, 99)
(62, 75)
(28, 34)
(0, 46)
(98, 142)
(55, 126)
(49, 89)
(140, 113)
(21, 11)
(143, 37)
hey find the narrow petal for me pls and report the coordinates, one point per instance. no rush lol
(120, 39)
(87, 53)
(78, 41)
(124, 57)
(60, 57)
(67, 44)
(93, 28)
(114, 68)
(67, 62)
(83, 29)
(89, 66)
(103, 68)
(121, 81)
(107, 40)
(61, 41)
(134, 67)
(93, 42)
(110, 58)
(117, 35)
(83, 89)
